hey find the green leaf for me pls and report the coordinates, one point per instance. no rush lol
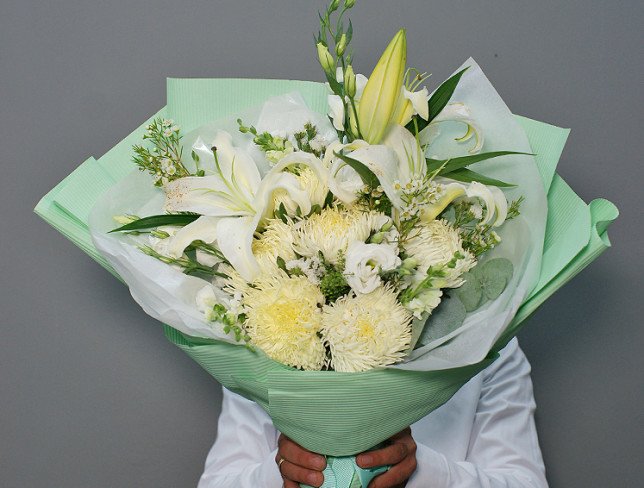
(494, 276)
(445, 319)
(437, 102)
(157, 221)
(367, 176)
(467, 176)
(451, 165)
(471, 292)
(333, 83)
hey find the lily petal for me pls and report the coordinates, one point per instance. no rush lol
(451, 191)
(383, 162)
(235, 240)
(410, 155)
(336, 111)
(202, 229)
(459, 112)
(205, 195)
(483, 193)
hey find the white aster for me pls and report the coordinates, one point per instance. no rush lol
(434, 244)
(330, 232)
(284, 319)
(275, 240)
(364, 332)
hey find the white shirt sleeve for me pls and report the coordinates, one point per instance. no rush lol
(243, 455)
(502, 446)
(504, 449)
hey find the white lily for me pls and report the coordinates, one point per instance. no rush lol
(234, 200)
(491, 197)
(454, 112)
(395, 162)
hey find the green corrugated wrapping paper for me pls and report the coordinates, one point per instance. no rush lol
(339, 414)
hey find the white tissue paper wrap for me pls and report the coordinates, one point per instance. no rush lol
(170, 296)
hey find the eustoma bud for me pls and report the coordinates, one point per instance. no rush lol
(334, 5)
(350, 82)
(326, 60)
(341, 45)
(349, 3)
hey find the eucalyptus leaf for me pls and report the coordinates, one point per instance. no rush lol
(471, 292)
(445, 319)
(467, 176)
(157, 221)
(494, 276)
(367, 176)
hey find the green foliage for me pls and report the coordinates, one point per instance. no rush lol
(157, 221)
(163, 159)
(467, 176)
(444, 167)
(485, 282)
(367, 176)
(304, 138)
(265, 140)
(445, 319)
(334, 285)
(437, 103)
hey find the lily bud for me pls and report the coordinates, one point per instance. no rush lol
(326, 60)
(350, 82)
(380, 96)
(341, 45)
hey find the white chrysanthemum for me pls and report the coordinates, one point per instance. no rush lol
(332, 230)
(366, 331)
(434, 244)
(275, 240)
(284, 319)
(310, 183)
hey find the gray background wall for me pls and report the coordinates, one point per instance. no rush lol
(91, 394)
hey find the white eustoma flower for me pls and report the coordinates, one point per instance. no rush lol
(365, 262)
(234, 199)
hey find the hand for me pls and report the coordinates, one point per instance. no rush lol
(298, 465)
(400, 453)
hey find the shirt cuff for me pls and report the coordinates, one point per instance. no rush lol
(432, 469)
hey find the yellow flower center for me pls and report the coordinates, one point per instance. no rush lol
(365, 329)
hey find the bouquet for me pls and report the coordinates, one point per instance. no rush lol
(346, 254)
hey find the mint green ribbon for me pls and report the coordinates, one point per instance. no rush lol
(343, 472)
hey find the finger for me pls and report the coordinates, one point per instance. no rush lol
(293, 472)
(296, 454)
(290, 484)
(396, 476)
(392, 454)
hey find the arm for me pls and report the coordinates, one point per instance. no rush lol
(243, 455)
(504, 450)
